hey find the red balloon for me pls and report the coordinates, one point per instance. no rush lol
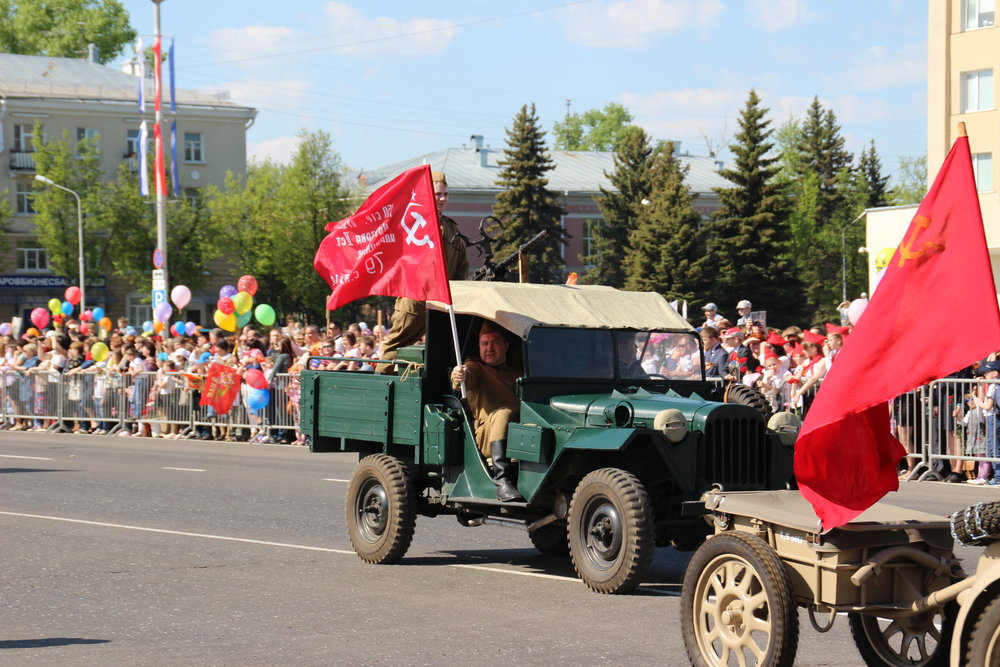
(73, 294)
(247, 284)
(40, 317)
(84, 328)
(255, 379)
(86, 315)
(225, 305)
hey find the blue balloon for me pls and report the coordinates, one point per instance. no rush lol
(66, 308)
(147, 325)
(258, 399)
(98, 314)
(130, 330)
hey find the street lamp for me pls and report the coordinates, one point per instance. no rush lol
(79, 230)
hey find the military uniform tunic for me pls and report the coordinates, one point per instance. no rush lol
(492, 399)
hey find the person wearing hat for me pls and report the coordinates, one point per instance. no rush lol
(740, 352)
(408, 317)
(712, 317)
(743, 308)
(490, 384)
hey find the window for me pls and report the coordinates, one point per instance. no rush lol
(25, 203)
(24, 138)
(977, 90)
(131, 143)
(194, 147)
(138, 312)
(982, 167)
(90, 135)
(31, 256)
(979, 13)
(589, 241)
(192, 196)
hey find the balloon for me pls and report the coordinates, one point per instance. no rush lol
(163, 312)
(190, 328)
(226, 321)
(5, 329)
(264, 314)
(855, 310)
(40, 318)
(104, 322)
(247, 284)
(226, 305)
(32, 331)
(244, 319)
(99, 351)
(227, 290)
(181, 296)
(130, 330)
(255, 378)
(54, 305)
(258, 399)
(147, 326)
(84, 328)
(158, 326)
(73, 294)
(98, 314)
(66, 308)
(86, 316)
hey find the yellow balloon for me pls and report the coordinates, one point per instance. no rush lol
(242, 302)
(55, 305)
(224, 321)
(99, 351)
(883, 258)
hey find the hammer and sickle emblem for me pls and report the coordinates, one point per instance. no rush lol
(411, 231)
(906, 251)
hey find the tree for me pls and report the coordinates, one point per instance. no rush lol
(593, 130)
(747, 241)
(665, 246)
(874, 184)
(620, 208)
(525, 205)
(64, 28)
(912, 184)
(822, 150)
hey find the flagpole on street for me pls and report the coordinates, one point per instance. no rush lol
(454, 338)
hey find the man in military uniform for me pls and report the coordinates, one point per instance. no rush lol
(408, 317)
(490, 383)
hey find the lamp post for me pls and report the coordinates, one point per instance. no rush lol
(79, 232)
(843, 255)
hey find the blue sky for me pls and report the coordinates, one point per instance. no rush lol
(392, 80)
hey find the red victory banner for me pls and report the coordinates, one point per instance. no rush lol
(846, 457)
(222, 386)
(391, 246)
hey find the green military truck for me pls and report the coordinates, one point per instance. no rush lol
(610, 466)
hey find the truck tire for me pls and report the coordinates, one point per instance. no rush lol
(976, 524)
(381, 512)
(551, 539)
(984, 642)
(923, 640)
(741, 394)
(611, 536)
(737, 605)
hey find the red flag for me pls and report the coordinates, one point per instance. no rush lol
(846, 457)
(161, 172)
(391, 246)
(222, 386)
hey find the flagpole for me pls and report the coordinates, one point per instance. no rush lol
(454, 338)
(961, 129)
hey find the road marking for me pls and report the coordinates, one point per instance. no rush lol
(185, 469)
(33, 458)
(502, 570)
(331, 479)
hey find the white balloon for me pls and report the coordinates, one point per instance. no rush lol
(180, 295)
(855, 310)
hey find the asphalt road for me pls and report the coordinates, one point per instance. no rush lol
(137, 551)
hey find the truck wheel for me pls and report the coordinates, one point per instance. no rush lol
(923, 640)
(551, 539)
(976, 524)
(984, 644)
(611, 537)
(741, 394)
(737, 605)
(381, 512)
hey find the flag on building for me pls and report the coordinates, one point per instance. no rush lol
(391, 246)
(140, 60)
(222, 386)
(157, 75)
(175, 178)
(159, 168)
(143, 161)
(170, 62)
(846, 458)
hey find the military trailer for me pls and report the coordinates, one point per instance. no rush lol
(611, 463)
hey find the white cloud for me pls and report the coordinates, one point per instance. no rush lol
(882, 69)
(254, 41)
(283, 93)
(279, 149)
(636, 23)
(384, 35)
(695, 115)
(776, 15)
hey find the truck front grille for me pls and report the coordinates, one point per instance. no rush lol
(736, 452)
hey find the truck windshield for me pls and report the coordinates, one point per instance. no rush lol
(600, 354)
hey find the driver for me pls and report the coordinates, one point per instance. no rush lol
(629, 367)
(490, 383)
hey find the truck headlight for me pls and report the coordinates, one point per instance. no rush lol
(786, 425)
(672, 423)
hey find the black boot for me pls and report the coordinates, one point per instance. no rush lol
(504, 473)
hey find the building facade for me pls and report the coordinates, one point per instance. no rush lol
(88, 100)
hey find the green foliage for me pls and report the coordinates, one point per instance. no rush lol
(822, 150)
(912, 184)
(526, 205)
(620, 208)
(870, 179)
(747, 241)
(64, 28)
(593, 130)
(665, 246)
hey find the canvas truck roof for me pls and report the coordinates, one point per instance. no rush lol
(518, 307)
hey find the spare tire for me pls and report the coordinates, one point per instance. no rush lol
(976, 524)
(741, 394)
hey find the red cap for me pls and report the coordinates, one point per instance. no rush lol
(734, 332)
(833, 328)
(775, 339)
(770, 354)
(813, 337)
(796, 348)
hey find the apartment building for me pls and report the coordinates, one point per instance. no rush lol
(87, 99)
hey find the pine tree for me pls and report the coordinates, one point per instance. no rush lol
(620, 207)
(823, 153)
(875, 184)
(665, 251)
(525, 205)
(747, 240)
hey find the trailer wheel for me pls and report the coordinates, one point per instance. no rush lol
(551, 539)
(737, 605)
(741, 394)
(611, 536)
(922, 640)
(984, 642)
(381, 512)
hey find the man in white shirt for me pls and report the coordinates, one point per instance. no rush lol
(712, 317)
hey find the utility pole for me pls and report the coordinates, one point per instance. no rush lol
(161, 277)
